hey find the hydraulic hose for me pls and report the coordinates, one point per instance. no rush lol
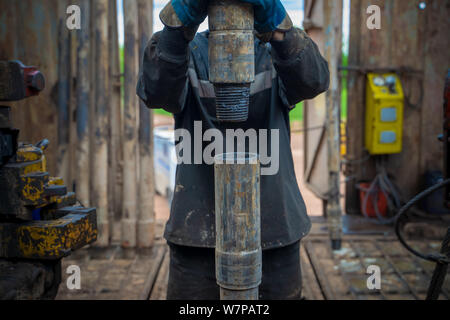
(401, 214)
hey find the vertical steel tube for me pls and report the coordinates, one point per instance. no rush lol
(83, 99)
(114, 146)
(130, 121)
(100, 134)
(333, 15)
(146, 216)
(231, 57)
(64, 99)
(238, 226)
(115, 113)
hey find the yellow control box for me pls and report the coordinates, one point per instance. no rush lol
(384, 114)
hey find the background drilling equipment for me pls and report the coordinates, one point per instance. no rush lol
(40, 222)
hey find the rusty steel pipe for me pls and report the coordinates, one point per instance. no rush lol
(83, 104)
(238, 226)
(231, 57)
(64, 93)
(130, 130)
(146, 212)
(101, 119)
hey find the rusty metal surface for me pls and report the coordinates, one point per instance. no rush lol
(25, 185)
(115, 120)
(146, 217)
(100, 134)
(231, 42)
(63, 97)
(332, 53)
(49, 240)
(231, 57)
(83, 95)
(53, 211)
(238, 226)
(232, 102)
(22, 186)
(230, 15)
(130, 134)
(28, 196)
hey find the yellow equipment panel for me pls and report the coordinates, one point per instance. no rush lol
(384, 114)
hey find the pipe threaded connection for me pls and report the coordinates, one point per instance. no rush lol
(232, 102)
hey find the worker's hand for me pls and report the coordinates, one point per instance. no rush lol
(270, 16)
(184, 13)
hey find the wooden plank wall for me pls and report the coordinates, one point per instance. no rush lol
(80, 111)
(34, 43)
(409, 38)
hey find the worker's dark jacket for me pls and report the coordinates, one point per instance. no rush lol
(174, 77)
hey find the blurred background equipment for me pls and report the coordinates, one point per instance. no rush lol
(84, 108)
(165, 161)
(40, 222)
(446, 137)
(403, 217)
(19, 82)
(384, 114)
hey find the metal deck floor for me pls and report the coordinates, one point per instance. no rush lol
(115, 273)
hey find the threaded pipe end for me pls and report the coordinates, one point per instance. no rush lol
(232, 102)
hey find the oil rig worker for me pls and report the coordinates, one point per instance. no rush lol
(174, 77)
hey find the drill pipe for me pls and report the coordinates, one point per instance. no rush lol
(238, 226)
(231, 57)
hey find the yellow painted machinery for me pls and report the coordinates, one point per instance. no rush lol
(384, 114)
(40, 222)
